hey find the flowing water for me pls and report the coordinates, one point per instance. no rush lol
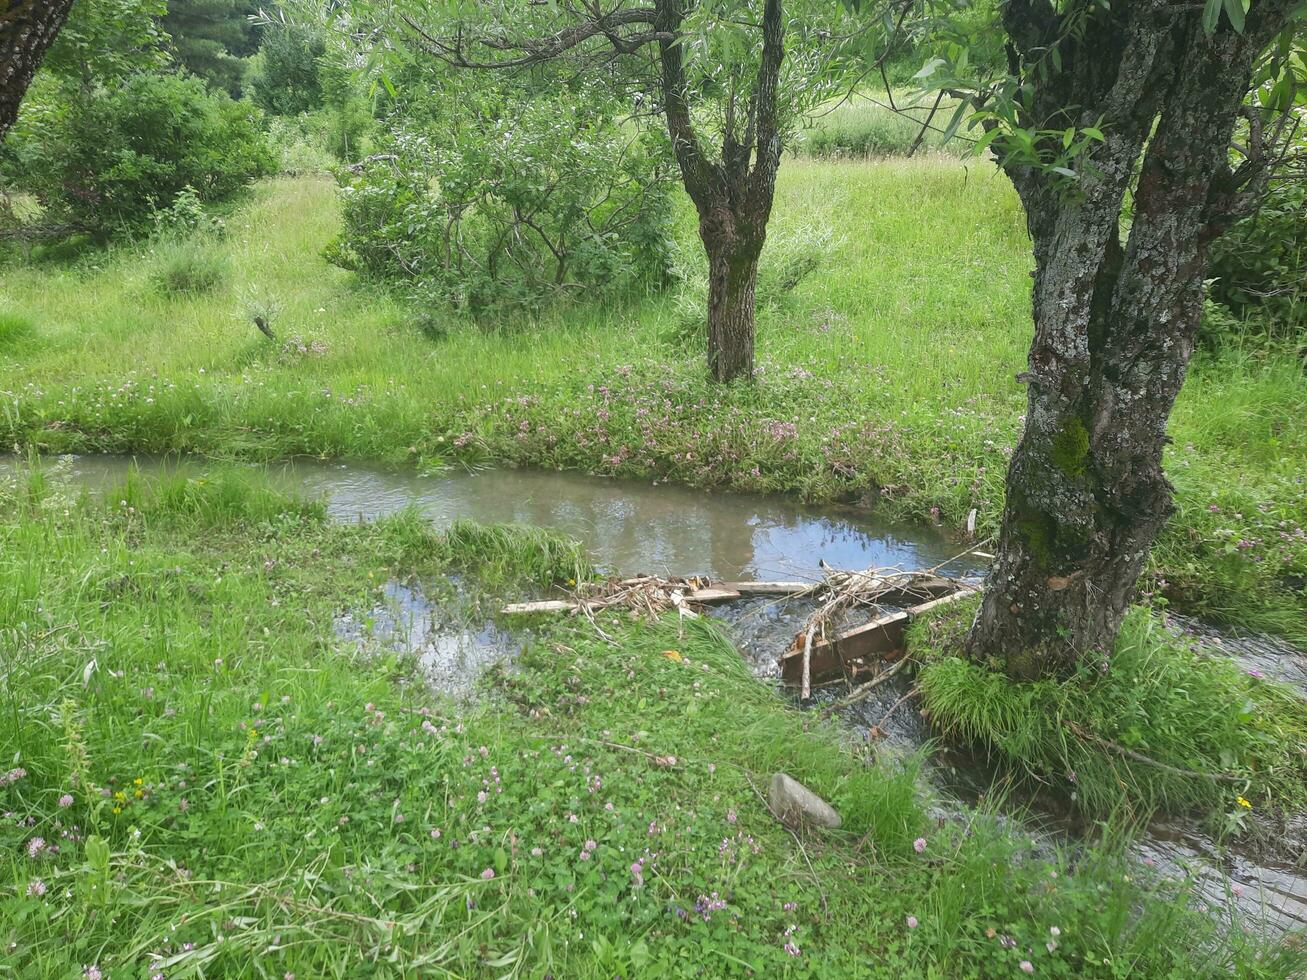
(640, 528)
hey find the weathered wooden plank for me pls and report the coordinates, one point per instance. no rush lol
(698, 597)
(882, 636)
(767, 588)
(710, 597)
(543, 606)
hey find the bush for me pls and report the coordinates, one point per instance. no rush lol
(104, 162)
(284, 78)
(515, 203)
(1258, 271)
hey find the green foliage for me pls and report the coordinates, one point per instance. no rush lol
(14, 331)
(248, 788)
(861, 128)
(188, 266)
(1188, 719)
(209, 38)
(285, 79)
(104, 41)
(1258, 271)
(515, 200)
(106, 159)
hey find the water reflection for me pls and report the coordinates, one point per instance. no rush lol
(630, 527)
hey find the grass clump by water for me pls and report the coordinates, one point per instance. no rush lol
(1160, 726)
(205, 780)
(498, 551)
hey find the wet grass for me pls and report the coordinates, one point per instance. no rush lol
(207, 781)
(888, 373)
(500, 551)
(1160, 727)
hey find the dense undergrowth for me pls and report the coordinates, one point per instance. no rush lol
(207, 780)
(1158, 726)
(887, 374)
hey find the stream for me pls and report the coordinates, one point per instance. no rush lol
(635, 528)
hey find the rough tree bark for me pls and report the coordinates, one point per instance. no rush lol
(27, 29)
(1115, 320)
(733, 196)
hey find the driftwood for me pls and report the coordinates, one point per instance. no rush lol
(642, 595)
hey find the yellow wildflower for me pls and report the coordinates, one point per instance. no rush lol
(674, 655)
(1243, 803)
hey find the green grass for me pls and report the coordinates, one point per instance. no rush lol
(1190, 720)
(894, 360)
(224, 787)
(861, 127)
(502, 551)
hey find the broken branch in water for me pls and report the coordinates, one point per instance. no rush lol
(862, 692)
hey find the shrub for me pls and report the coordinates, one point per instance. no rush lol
(106, 160)
(1258, 271)
(514, 204)
(284, 78)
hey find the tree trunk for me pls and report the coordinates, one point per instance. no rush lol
(1114, 330)
(732, 278)
(27, 29)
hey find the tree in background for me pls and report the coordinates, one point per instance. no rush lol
(1135, 135)
(719, 76)
(287, 79)
(108, 136)
(27, 30)
(210, 38)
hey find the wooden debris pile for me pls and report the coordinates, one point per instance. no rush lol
(644, 596)
(828, 650)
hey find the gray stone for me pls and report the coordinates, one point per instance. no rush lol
(793, 804)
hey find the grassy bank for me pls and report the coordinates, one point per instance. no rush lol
(1159, 726)
(207, 780)
(887, 374)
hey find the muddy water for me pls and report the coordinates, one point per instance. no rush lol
(635, 527)
(629, 527)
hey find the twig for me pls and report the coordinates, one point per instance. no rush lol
(913, 691)
(1220, 777)
(863, 691)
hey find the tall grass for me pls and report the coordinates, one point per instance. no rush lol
(212, 783)
(864, 127)
(1161, 727)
